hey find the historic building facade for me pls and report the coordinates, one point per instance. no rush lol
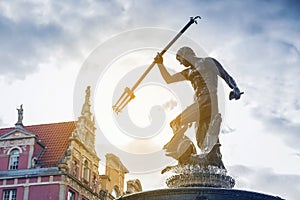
(57, 161)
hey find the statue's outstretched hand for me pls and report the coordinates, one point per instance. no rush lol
(158, 59)
(235, 94)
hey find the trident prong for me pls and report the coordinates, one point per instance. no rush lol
(195, 19)
(125, 98)
(128, 94)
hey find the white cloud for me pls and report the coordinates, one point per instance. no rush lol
(268, 71)
(266, 181)
(36, 33)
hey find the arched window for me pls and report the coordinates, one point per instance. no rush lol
(115, 191)
(86, 171)
(14, 159)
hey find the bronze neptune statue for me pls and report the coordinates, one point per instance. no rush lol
(204, 113)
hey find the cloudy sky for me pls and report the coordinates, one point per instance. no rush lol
(46, 44)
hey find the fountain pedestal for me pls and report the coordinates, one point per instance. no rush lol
(198, 193)
(195, 176)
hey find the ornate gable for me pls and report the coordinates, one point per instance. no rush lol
(17, 133)
(81, 158)
(16, 138)
(85, 126)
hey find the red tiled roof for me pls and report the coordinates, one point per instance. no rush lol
(54, 136)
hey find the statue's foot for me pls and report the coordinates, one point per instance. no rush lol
(213, 158)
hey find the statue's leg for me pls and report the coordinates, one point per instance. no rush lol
(212, 134)
(180, 146)
(208, 125)
(201, 130)
(188, 116)
(202, 124)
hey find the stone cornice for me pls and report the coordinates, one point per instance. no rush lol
(9, 174)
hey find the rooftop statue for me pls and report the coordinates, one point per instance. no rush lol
(20, 115)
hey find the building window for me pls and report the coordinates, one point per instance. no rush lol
(14, 159)
(71, 195)
(115, 191)
(9, 195)
(86, 171)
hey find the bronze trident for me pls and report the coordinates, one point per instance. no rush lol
(128, 94)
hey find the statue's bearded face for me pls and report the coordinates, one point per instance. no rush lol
(182, 61)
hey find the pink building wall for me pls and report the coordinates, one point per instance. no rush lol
(23, 161)
(20, 193)
(44, 192)
(4, 163)
(37, 191)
